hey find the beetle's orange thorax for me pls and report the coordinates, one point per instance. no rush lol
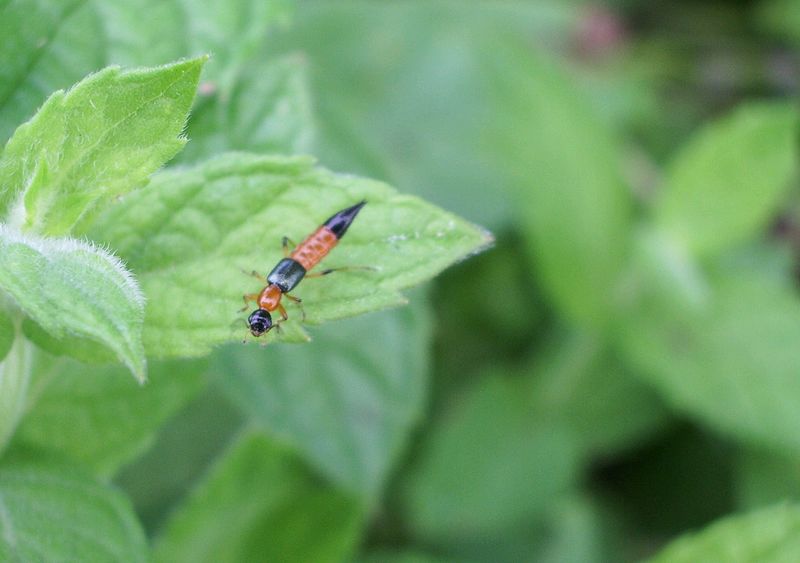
(270, 297)
(315, 247)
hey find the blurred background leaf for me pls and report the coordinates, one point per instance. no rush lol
(56, 512)
(580, 381)
(7, 334)
(565, 170)
(266, 109)
(97, 415)
(766, 535)
(50, 45)
(728, 181)
(464, 489)
(766, 477)
(730, 362)
(350, 404)
(237, 513)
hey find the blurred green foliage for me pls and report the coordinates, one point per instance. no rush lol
(618, 378)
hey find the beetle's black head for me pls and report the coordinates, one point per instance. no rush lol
(259, 321)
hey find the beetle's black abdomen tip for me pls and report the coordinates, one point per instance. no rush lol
(340, 221)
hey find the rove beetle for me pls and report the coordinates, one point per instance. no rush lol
(294, 267)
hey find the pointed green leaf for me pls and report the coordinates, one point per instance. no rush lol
(371, 368)
(97, 417)
(572, 201)
(95, 142)
(191, 233)
(259, 503)
(71, 287)
(769, 535)
(727, 183)
(51, 512)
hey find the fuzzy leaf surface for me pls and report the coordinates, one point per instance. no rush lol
(728, 181)
(51, 512)
(768, 535)
(191, 233)
(93, 143)
(75, 289)
(260, 503)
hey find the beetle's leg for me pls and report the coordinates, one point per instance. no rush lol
(253, 273)
(247, 298)
(282, 311)
(298, 302)
(341, 269)
(285, 242)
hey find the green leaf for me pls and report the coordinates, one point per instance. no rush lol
(768, 535)
(71, 287)
(99, 418)
(97, 141)
(575, 533)
(779, 18)
(190, 234)
(148, 32)
(185, 447)
(729, 359)
(349, 402)
(491, 463)
(727, 182)
(259, 503)
(52, 512)
(385, 556)
(15, 375)
(47, 45)
(764, 478)
(581, 382)
(573, 204)
(7, 334)
(266, 110)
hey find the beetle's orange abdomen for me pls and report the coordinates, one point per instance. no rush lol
(315, 247)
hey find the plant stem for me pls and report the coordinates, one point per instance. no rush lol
(15, 372)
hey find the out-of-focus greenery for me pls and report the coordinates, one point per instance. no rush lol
(617, 379)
